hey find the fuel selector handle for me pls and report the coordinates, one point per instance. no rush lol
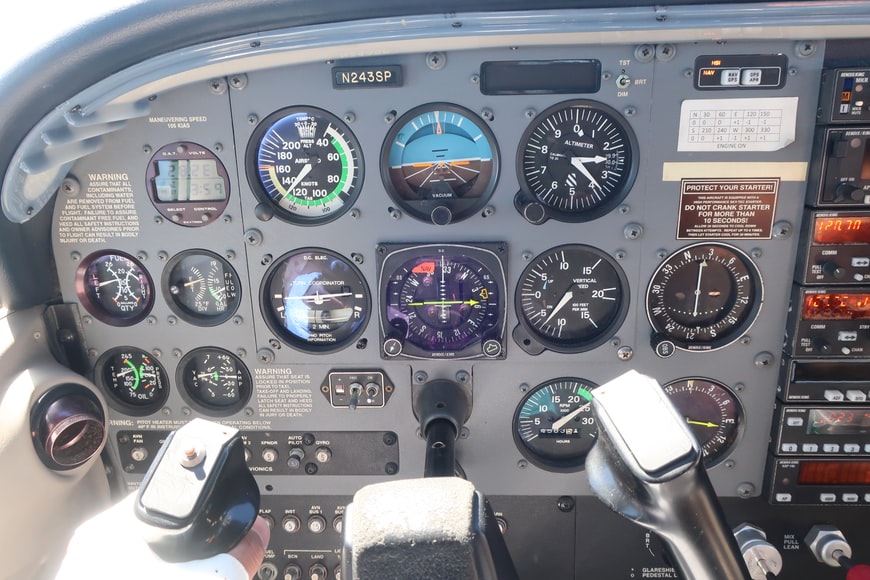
(199, 498)
(659, 482)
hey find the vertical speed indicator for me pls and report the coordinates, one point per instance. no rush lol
(577, 160)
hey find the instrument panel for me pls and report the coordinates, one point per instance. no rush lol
(296, 249)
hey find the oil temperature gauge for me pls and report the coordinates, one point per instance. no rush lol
(215, 379)
(554, 426)
(135, 380)
(712, 412)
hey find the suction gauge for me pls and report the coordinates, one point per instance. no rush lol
(216, 380)
(577, 160)
(703, 297)
(554, 426)
(315, 300)
(570, 299)
(305, 164)
(440, 163)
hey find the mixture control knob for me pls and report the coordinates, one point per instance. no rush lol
(760, 556)
(834, 270)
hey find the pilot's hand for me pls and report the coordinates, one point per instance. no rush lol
(110, 546)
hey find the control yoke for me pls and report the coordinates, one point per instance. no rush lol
(660, 482)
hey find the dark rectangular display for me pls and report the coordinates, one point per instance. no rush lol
(841, 306)
(540, 77)
(189, 180)
(361, 77)
(838, 422)
(842, 230)
(834, 473)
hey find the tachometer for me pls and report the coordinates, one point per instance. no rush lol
(306, 164)
(703, 297)
(443, 301)
(712, 412)
(570, 299)
(315, 300)
(440, 163)
(577, 160)
(554, 426)
(115, 288)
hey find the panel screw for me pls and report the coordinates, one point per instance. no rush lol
(475, 79)
(524, 387)
(530, 113)
(644, 53)
(241, 353)
(488, 211)
(522, 463)
(463, 377)
(630, 111)
(70, 186)
(745, 489)
(254, 237)
(782, 230)
(265, 356)
(805, 48)
(146, 149)
(763, 359)
(239, 82)
(527, 255)
(632, 231)
(394, 213)
(756, 253)
(176, 353)
(390, 117)
(565, 503)
(389, 439)
(141, 255)
(238, 320)
(217, 86)
(662, 254)
(420, 377)
(391, 468)
(730, 464)
(620, 254)
(624, 353)
(487, 115)
(171, 320)
(349, 117)
(357, 258)
(151, 320)
(75, 256)
(355, 214)
(253, 119)
(665, 52)
(436, 60)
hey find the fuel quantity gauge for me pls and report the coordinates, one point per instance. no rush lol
(115, 288)
(137, 383)
(554, 426)
(215, 380)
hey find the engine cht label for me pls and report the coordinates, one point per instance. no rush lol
(740, 208)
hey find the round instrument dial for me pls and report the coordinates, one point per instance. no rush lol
(202, 287)
(554, 426)
(315, 300)
(577, 160)
(703, 297)
(445, 301)
(440, 163)
(135, 380)
(570, 299)
(115, 288)
(215, 379)
(306, 164)
(712, 411)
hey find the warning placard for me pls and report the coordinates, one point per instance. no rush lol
(721, 208)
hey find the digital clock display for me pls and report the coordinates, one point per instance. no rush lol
(838, 422)
(841, 306)
(834, 473)
(842, 230)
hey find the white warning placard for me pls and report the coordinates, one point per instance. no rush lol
(765, 124)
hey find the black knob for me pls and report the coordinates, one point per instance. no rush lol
(833, 270)
(534, 213)
(821, 346)
(441, 215)
(848, 192)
